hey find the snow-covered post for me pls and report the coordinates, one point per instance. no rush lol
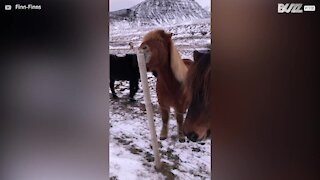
(147, 100)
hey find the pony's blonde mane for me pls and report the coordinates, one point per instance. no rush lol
(177, 65)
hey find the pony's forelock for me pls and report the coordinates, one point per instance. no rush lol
(153, 35)
(177, 65)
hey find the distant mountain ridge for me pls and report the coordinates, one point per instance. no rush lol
(155, 12)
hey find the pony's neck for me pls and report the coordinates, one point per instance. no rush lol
(178, 67)
(167, 74)
(167, 79)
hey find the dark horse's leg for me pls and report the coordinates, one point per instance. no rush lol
(134, 83)
(154, 73)
(165, 119)
(114, 95)
(179, 117)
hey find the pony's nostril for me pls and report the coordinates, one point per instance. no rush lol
(192, 136)
(144, 47)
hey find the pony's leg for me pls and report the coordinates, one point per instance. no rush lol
(136, 86)
(165, 119)
(114, 95)
(179, 117)
(133, 88)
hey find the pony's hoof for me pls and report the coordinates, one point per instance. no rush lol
(132, 100)
(163, 138)
(182, 139)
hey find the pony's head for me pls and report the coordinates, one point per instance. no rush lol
(196, 90)
(159, 51)
(154, 46)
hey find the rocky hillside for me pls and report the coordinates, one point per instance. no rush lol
(156, 12)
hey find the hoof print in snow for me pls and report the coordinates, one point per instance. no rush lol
(148, 156)
(113, 178)
(135, 150)
(166, 170)
(196, 149)
(146, 164)
(143, 107)
(123, 141)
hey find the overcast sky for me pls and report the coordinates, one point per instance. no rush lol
(122, 4)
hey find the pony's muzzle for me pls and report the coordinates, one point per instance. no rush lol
(143, 48)
(192, 136)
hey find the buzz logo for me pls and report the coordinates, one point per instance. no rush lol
(294, 8)
(290, 8)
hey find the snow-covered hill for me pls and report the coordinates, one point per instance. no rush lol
(155, 12)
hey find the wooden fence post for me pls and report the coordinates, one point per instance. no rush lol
(147, 99)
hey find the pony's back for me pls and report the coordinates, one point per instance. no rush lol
(124, 68)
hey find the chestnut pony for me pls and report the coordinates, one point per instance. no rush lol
(197, 91)
(163, 58)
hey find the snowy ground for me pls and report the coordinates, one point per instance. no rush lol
(131, 155)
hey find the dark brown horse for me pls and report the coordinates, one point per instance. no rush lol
(197, 92)
(163, 58)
